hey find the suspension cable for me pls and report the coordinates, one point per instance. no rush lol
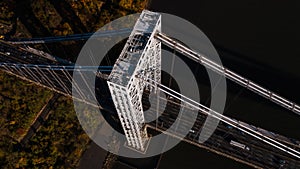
(59, 67)
(223, 118)
(228, 73)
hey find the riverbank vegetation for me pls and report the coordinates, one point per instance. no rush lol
(60, 141)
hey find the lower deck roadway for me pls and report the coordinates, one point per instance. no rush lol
(259, 154)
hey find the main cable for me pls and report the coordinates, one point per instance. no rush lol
(203, 60)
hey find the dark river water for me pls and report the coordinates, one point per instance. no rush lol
(259, 40)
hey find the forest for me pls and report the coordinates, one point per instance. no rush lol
(60, 141)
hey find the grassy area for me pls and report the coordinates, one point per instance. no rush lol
(20, 101)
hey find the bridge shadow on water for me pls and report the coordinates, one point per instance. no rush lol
(250, 42)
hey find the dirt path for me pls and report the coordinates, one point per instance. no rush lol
(40, 119)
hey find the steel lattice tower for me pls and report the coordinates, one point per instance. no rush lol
(141, 52)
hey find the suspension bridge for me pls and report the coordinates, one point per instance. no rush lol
(122, 86)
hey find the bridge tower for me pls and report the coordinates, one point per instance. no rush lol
(141, 53)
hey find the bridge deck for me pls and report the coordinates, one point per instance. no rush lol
(259, 154)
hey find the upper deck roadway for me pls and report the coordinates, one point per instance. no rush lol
(185, 51)
(226, 140)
